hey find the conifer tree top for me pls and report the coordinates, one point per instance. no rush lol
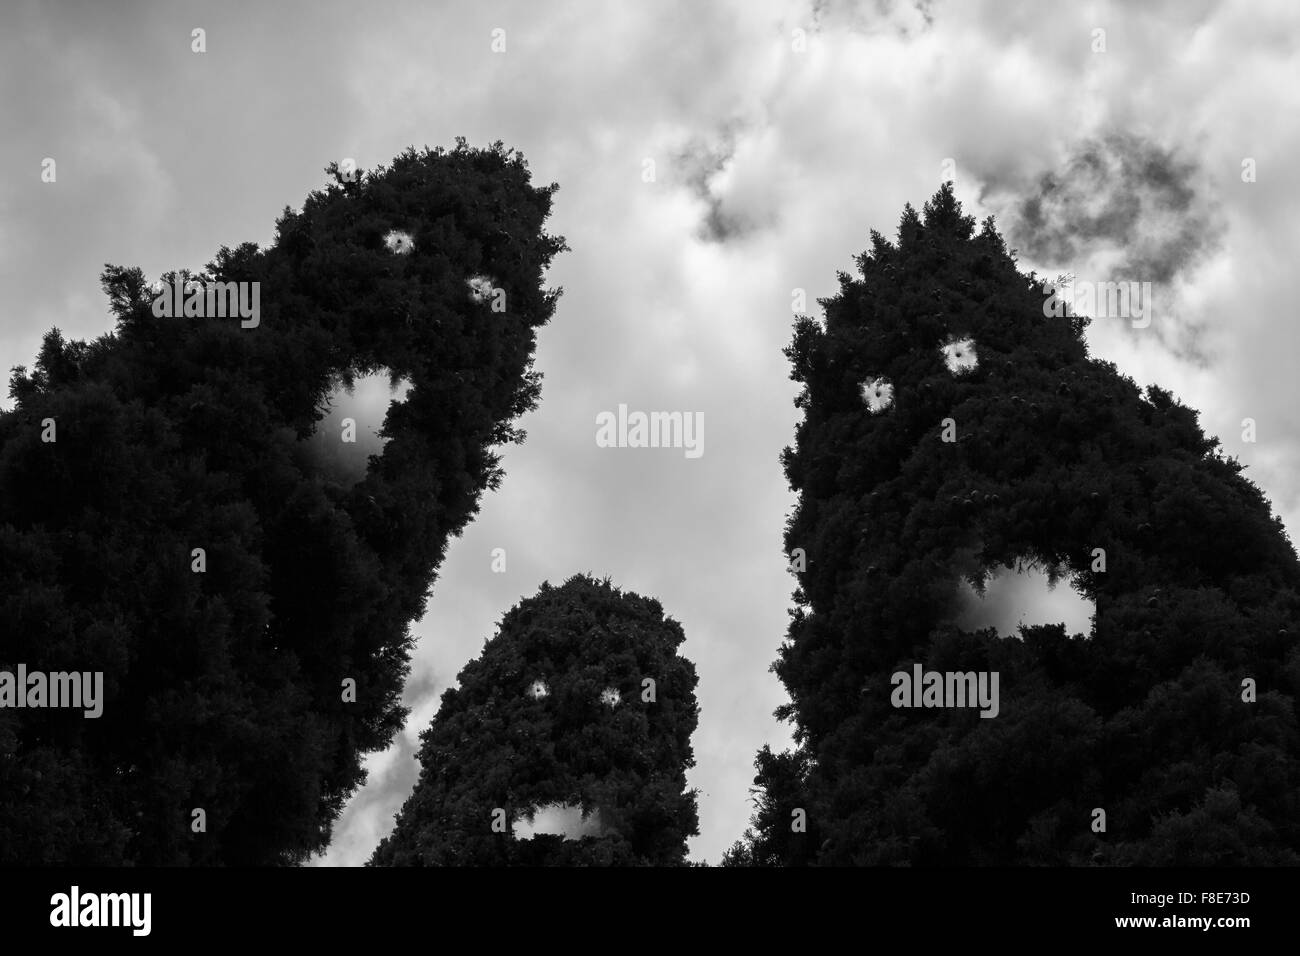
(952, 426)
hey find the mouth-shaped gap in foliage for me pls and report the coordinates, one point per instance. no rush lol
(569, 820)
(343, 450)
(1023, 594)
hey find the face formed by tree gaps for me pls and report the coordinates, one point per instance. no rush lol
(247, 606)
(999, 443)
(566, 742)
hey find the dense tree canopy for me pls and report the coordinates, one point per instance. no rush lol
(225, 685)
(582, 700)
(1055, 459)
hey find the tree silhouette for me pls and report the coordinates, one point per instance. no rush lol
(226, 672)
(1056, 459)
(580, 699)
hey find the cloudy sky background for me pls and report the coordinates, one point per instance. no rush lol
(772, 163)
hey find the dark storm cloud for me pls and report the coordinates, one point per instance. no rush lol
(1118, 191)
(698, 166)
(861, 16)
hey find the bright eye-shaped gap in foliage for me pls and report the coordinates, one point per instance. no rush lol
(196, 283)
(878, 395)
(1025, 595)
(569, 820)
(610, 698)
(348, 433)
(959, 355)
(537, 690)
(480, 288)
(398, 242)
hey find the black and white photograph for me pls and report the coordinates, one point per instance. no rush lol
(852, 440)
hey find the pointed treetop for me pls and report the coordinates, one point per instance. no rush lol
(909, 226)
(943, 213)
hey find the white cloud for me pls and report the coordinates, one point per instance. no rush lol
(570, 821)
(1022, 595)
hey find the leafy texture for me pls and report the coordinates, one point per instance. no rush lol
(1055, 455)
(224, 689)
(534, 723)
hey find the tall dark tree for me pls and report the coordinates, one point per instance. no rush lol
(951, 428)
(581, 701)
(228, 673)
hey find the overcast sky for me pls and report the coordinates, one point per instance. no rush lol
(775, 152)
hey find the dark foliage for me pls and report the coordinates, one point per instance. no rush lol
(1055, 455)
(495, 745)
(223, 688)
